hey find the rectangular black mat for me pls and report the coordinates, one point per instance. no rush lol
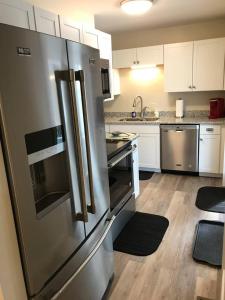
(145, 175)
(211, 199)
(208, 246)
(142, 235)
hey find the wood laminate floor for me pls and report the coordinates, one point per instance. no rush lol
(170, 273)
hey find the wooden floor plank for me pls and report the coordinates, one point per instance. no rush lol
(170, 273)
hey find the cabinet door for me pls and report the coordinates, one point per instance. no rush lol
(46, 22)
(105, 45)
(90, 37)
(150, 55)
(149, 151)
(107, 128)
(70, 29)
(16, 13)
(178, 67)
(208, 65)
(124, 58)
(209, 154)
(116, 82)
(136, 168)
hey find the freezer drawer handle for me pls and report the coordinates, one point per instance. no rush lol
(82, 266)
(79, 76)
(69, 77)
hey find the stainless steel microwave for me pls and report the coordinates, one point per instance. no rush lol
(105, 78)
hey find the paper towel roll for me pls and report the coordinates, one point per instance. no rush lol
(179, 108)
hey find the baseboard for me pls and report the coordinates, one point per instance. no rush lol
(150, 169)
(204, 174)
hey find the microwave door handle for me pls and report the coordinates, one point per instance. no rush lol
(68, 77)
(79, 76)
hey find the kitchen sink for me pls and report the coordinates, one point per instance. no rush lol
(139, 119)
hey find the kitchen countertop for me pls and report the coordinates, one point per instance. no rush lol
(168, 120)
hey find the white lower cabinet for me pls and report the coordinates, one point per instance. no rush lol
(148, 144)
(149, 151)
(209, 150)
(136, 168)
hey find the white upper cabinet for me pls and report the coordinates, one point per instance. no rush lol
(208, 65)
(124, 58)
(17, 13)
(138, 56)
(150, 55)
(194, 66)
(105, 45)
(178, 67)
(90, 36)
(70, 29)
(116, 82)
(46, 22)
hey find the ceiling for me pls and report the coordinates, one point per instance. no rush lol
(110, 18)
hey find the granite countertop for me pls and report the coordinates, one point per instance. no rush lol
(168, 120)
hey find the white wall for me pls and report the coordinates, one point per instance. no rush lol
(151, 88)
(12, 285)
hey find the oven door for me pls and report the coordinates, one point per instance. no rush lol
(120, 169)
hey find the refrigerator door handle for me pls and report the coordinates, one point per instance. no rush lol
(69, 77)
(82, 266)
(79, 76)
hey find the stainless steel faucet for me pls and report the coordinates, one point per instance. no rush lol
(136, 102)
(144, 110)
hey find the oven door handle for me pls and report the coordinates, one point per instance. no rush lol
(116, 161)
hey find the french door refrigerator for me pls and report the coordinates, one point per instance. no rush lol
(52, 131)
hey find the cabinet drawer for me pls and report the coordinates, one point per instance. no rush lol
(151, 129)
(210, 129)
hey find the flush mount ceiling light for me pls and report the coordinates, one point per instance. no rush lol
(136, 7)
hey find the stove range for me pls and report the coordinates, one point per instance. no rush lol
(115, 146)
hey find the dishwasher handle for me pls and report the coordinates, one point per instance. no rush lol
(179, 128)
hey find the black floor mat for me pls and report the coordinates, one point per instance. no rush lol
(211, 199)
(142, 235)
(145, 175)
(208, 247)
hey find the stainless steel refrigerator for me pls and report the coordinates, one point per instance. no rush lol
(52, 130)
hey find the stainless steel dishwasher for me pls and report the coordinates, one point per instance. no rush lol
(179, 148)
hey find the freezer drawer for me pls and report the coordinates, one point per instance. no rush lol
(88, 272)
(179, 147)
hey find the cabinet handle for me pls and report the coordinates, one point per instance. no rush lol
(134, 62)
(138, 62)
(190, 87)
(201, 140)
(194, 87)
(210, 129)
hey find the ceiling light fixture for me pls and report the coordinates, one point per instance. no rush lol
(136, 7)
